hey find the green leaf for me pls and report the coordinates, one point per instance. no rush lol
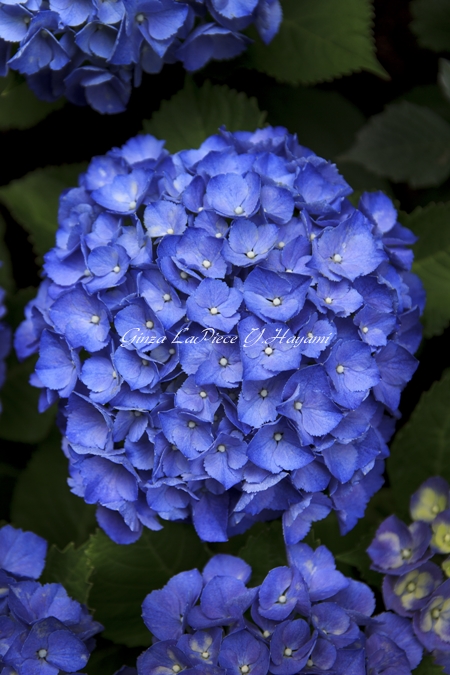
(19, 107)
(444, 78)
(324, 121)
(428, 667)
(108, 658)
(422, 447)
(124, 575)
(319, 40)
(431, 23)
(264, 551)
(432, 262)
(6, 274)
(406, 143)
(20, 419)
(195, 113)
(42, 500)
(33, 202)
(71, 568)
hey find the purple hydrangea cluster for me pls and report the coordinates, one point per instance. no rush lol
(414, 585)
(93, 52)
(229, 336)
(305, 618)
(42, 630)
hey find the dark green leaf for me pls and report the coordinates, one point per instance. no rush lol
(20, 419)
(16, 305)
(264, 551)
(323, 120)
(432, 262)
(422, 447)
(33, 201)
(71, 568)
(124, 575)
(444, 77)
(431, 23)
(6, 275)
(318, 41)
(430, 96)
(193, 114)
(108, 658)
(19, 107)
(406, 143)
(428, 667)
(43, 502)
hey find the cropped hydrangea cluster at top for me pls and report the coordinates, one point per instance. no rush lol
(94, 51)
(228, 334)
(42, 630)
(306, 618)
(414, 586)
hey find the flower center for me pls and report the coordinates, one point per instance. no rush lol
(203, 394)
(42, 653)
(221, 447)
(337, 258)
(170, 230)
(184, 275)
(214, 310)
(288, 651)
(406, 553)
(263, 393)
(223, 361)
(205, 655)
(239, 210)
(167, 297)
(116, 269)
(206, 264)
(149, 324)
(192, 424)
(276, 301)
(328, 300)
(251, 254)
(298, 405)
(282, 599)
(340, 369)
(95, 319)
(411, 587)
(268, 351)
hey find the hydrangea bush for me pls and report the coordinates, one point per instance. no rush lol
(42, 630)
(416, 583)
(306, 617)
(228, 335)
(94, 52)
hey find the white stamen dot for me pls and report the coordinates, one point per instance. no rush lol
(114, 374)
(310, 335)
(263, 393)
(328, 300)
(95, 318)
(411, 587)
(214, 310)
(167, 297)
(184, 275)
(205, 655)
(170, 230)
(281, 244)
(206, 264)
(289, 271)
(137, 413)
(406, 553)
(337, 258)
(340, 369)
(203, 394)
(365, 329)
(238, 210)
(310, 663)
(149, 324)
(268, 351)
(176, 668)
(312, 236)
(42, 653)
(116, 269)
(218, 235)
(132, 205)
(276, 302)
(223, 361)
(244, 669)
(144, 362)
(26, 20)
(266, 634)
(172, 350)
(277, 437)
(282, 599)
(192, 424)
(140, 18)
(251, 254)
(436, 613)
(87, 273)
(298, 405)
(221, 448)
(288, 651)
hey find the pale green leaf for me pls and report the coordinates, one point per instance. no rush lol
(124, 575)
(193, 114)
(406, 143)
(19, 107)
(319, 40)
(71, 568)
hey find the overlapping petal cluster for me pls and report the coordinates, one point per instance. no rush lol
(304, 618)
(42, 630)
(93, 52)
(412, 558)
(229, 336)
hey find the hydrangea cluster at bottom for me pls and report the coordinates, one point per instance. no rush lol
(412, 559)
(42, 630)
(305, 618)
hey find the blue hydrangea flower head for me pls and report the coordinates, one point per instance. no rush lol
(43, 630)
(227, 334)
(304, 618)
(93, 52)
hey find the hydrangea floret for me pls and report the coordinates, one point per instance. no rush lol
(412, 559)
(42, 629)
(227, 334)
(305, 618)
(94, 52)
